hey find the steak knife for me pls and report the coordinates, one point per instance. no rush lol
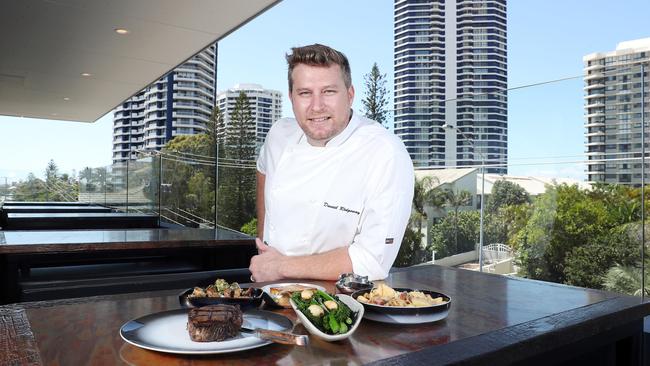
(277, 336)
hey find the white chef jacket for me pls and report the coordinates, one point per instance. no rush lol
(356, 192)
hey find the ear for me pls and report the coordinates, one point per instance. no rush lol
(351, 94)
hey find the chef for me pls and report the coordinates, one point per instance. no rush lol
(334, 189)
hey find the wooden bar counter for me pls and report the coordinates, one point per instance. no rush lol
(493, 320)
(49, 264)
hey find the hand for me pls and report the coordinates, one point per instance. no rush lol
(266, 265)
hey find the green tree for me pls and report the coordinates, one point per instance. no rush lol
(462, 227)
(33, 189)
(236, 192)
(503, 225)
(455, 200)
(85, 179)
(587, 265)
(425, 191)
(54, 188)
(623, 203)
(51, 171)
(200, 195)
(376, 96)
(216, 130)
(627, 279)
(187, 180)
(250, 228)
(574, 236)
(189, 176)
(505, 193)
(413, 250)
(534, 238)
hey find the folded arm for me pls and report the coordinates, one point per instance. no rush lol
(270, 265)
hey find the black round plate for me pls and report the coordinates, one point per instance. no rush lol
(402, 310)
(245, 303)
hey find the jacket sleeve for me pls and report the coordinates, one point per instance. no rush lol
(385, 215)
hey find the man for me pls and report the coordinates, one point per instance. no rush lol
(334, 188)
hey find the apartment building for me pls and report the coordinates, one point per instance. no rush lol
(265, 104)
(613, 106)
(179, 103)
(451, 69)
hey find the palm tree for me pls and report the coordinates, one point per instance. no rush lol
(455, 200)
(426, 191)
(626, 279)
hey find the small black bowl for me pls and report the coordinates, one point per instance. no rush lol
(245, 303)
(424, 312)
(348, 283)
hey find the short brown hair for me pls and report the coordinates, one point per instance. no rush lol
(318, 55)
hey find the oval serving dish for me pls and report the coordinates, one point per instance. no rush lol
(405, 314)
(354, 305)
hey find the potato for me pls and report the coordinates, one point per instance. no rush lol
(306, 294)
(316, 310)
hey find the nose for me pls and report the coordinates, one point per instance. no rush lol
(317, 103)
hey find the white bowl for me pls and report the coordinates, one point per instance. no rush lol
(353, 304)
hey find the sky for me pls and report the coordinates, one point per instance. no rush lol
(546, 41)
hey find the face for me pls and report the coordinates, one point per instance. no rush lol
(321, 102)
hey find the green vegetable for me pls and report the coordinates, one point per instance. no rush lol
(221, 284)
(335, 321)
(334, 325)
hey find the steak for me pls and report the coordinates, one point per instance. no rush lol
(214, 322)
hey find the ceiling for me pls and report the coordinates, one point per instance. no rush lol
(46, 46)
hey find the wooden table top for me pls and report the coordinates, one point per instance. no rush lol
(44, 241)
(489, 315)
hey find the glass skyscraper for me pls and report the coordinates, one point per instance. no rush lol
(266, 107)
(451, 69)
(613, 91)
(179, 103)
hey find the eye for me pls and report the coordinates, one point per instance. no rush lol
(304, 93)
(329, 91)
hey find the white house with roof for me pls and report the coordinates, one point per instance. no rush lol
(470, 180)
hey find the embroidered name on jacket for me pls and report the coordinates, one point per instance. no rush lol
(340, 208)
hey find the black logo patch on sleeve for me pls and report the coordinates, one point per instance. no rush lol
(389, 240)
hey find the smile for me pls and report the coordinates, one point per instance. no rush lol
(319, 119)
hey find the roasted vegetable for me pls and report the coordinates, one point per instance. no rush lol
(221, 288)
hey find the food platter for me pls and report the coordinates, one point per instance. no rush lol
(245, 303)
(271, 300)
(406, 315)
(166, 332)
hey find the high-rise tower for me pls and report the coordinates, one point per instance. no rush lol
(613, 91)
(179, 103)
(266, 107)
(451, 69)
